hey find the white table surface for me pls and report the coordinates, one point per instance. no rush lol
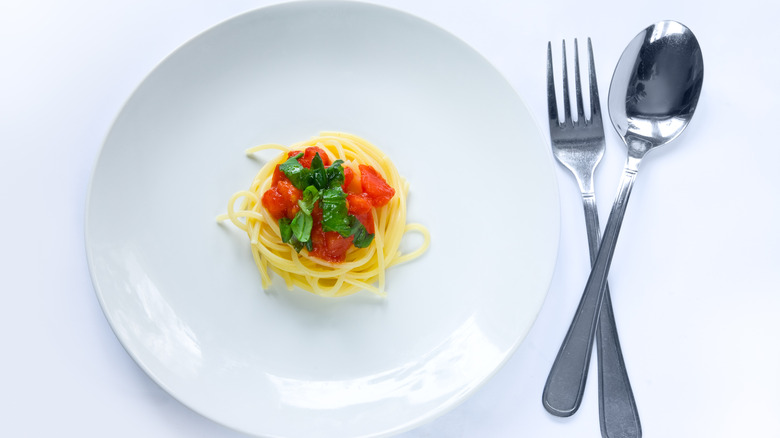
(695, 279)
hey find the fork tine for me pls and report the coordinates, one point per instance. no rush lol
(595, 105)
(578, 85)
(552, 104)
(566, 104)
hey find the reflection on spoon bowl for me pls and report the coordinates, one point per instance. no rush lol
(656, 86)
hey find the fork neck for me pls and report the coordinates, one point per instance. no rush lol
(585, 181)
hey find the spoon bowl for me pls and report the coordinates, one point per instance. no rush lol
(656, 86)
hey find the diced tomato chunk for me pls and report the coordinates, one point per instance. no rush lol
(360, 207)
(358, 204)
(274, 202)
(373, 185)
(349, 175)
(336, 247)
(281, 200)
(290, 193)
(292, 211)
(353, 185)
(367, 219)
(328, 245)
(278, 176)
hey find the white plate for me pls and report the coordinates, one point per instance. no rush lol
(182, 292)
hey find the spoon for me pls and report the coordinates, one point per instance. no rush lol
(652, 98)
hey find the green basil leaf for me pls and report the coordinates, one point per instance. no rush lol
(307, 226)
(335, 174)
(297, 225)
(319, 177)
(301, 226)
(335, 216)
(299, 176)
(298, 246)
(284, 229)
(309, 198)
(360, 236)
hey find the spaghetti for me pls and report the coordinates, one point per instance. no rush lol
(373, 234)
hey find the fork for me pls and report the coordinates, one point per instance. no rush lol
(579, 145)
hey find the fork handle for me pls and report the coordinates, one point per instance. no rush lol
(565, 384)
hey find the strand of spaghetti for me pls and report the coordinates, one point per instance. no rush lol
(270, 241)
(363, 149)
(231, 205)
(333, 290)
(368, 149)
(393, 237)
(340, 150)
(380, 256)
(263, 147)
(248, 214)
(362, 285)
(254, 231)
(264, 277)
(420, 250)
(287, 279)
(315, 266)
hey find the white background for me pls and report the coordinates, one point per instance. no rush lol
(696, 274)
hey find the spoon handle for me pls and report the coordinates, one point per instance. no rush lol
(570, 368)
(617, 409)
(618, 414)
